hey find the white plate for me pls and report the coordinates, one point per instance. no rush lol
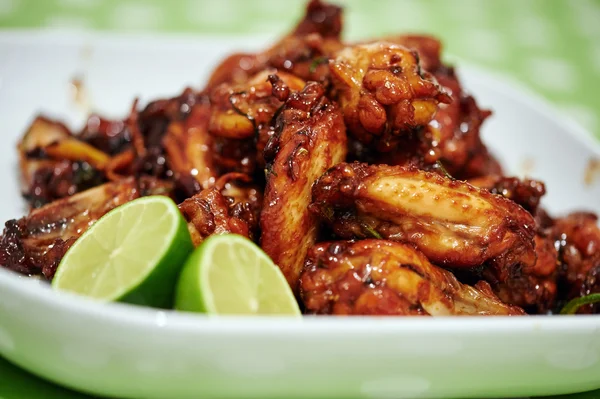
(128, 351)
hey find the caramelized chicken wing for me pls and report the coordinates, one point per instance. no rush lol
(242, 119)
(310, 138)
(533, 288)
(303, 52)
(36, 243)
(456, 126)
(384, 92)
(227, 207)
(525, 192)
(378, 277)
(453, 223)
(577, 237)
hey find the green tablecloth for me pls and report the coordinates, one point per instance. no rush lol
(552, 46)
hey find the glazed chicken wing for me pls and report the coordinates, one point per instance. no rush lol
(241, 119)
(534, 287)
(310, 138)
(303, 52)
(525, 192)
(384, 92)
(453, 223)
(457, 128)
(36, 243)
(378, 277)
(232, 205)
(577, 237)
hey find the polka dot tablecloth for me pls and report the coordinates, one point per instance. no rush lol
(551, 46)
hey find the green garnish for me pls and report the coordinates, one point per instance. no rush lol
(316, 62)
(575, 304)
(302, 151)
(374, 233)
(443, 169)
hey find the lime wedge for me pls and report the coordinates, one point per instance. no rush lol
(132, 254)
(229, 274)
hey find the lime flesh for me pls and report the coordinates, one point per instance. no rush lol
(229, 274)
(132, 254)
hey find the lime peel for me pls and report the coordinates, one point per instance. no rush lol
(229, 274)
(132, 254)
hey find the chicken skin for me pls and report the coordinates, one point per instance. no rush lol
(232, 205)
(453, 223)
(384, 92)
(36, 243)
(310, 137)
(379, 277)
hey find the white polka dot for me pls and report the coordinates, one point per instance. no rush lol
(133, 16)
(533, 31)
(595, 54)
(585, 17)
(7, 344)
(67, 22)
(414, 16)
(79, 3)
(485, 44)
(210, 12)
(7, 6)
(396, 387)
(469, 11)
(250, 365)
(85, 357)
(583, 115)
(553, 74)
(572, 360)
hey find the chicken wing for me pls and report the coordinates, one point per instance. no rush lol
(303, 52)
(310, 138)
(36, 243)
(457, 126)
(525, 192)
(577, 237)
(378, 277)
(241, 119)
(227, 207)
(453, 223)
(384, 92)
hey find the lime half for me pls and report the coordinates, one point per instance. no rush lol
(229, 274)
(132, 254)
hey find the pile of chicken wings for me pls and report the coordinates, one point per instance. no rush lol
(357, 167)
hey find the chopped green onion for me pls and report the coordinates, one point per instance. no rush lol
(443, 169)
(316, 62)
(575, 304)
(374, 233)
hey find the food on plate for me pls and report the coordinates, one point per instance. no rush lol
(357, 168)
(375, 276)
